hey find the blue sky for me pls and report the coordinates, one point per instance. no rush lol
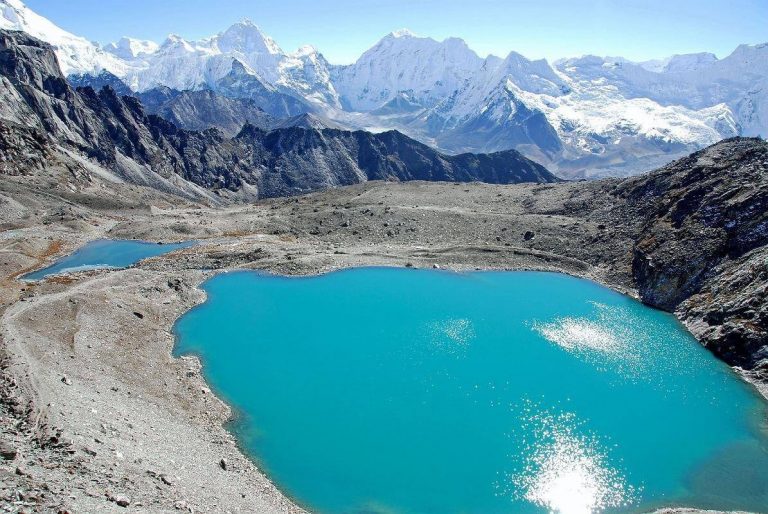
(343, 29)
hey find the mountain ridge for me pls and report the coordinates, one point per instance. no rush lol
(581, 117)
(146, 149)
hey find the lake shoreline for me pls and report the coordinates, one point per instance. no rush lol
(212, 411)
(98, 407)
(200, 333)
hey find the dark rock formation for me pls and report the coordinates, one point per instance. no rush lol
(100, 81)
(701, 248)
(147, 149)
(22, 149)
(518, 127)
(307, 159)
(202, 110)
(307, 121)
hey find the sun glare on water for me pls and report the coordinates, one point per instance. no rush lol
(567, 473)
(580, 334)
(452, 336)
(611, 339)
(571, 481)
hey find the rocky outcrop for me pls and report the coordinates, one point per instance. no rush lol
(100, 81)
(308, 121)
(202, 110)
(147, 149)
(22, 149)
(309, 159)
(701, 248)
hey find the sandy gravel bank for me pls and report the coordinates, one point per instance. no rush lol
(96, 414)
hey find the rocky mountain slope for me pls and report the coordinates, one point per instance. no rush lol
(588, 116)
(702, 246)
(105, 78)
(444, 94)
(203, 109)
(307, 121)
(146, 149)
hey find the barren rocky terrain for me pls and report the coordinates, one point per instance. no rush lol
(95, 412)
(97, 415)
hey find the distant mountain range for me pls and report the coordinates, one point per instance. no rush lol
(580, 117)
(46, 123)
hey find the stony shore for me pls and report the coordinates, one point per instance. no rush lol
(96, 413)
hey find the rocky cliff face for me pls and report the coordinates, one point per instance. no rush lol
(202, 110)
(308, 159)
(147, 149)
(100, 81)
(701, 248)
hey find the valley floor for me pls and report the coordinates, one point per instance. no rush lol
(97, 415)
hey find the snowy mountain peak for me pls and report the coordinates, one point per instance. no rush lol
(76, 54)
(690, 62)
(680, 63)
(533, 76)
(455, 42)
(173, 39)
(305, 51)
(129, 48)
(402, 62)
(748, 48)
(402, 33)
(247, 38)
(175, 43)
(757, 55)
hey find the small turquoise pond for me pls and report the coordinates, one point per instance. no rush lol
(106, 253)
(382, 390)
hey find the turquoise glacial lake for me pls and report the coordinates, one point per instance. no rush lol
(106, 253)
(381, 390)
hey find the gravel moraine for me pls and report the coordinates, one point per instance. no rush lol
(95, 413)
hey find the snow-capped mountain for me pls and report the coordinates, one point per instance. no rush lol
(178, 64)
(128, 48)
(241, 50)
(564, 120)
(685, 62)
(581, 117)
(75, 54)
(697, 81)
(425, 69)
(243, 83)
(307, 74)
